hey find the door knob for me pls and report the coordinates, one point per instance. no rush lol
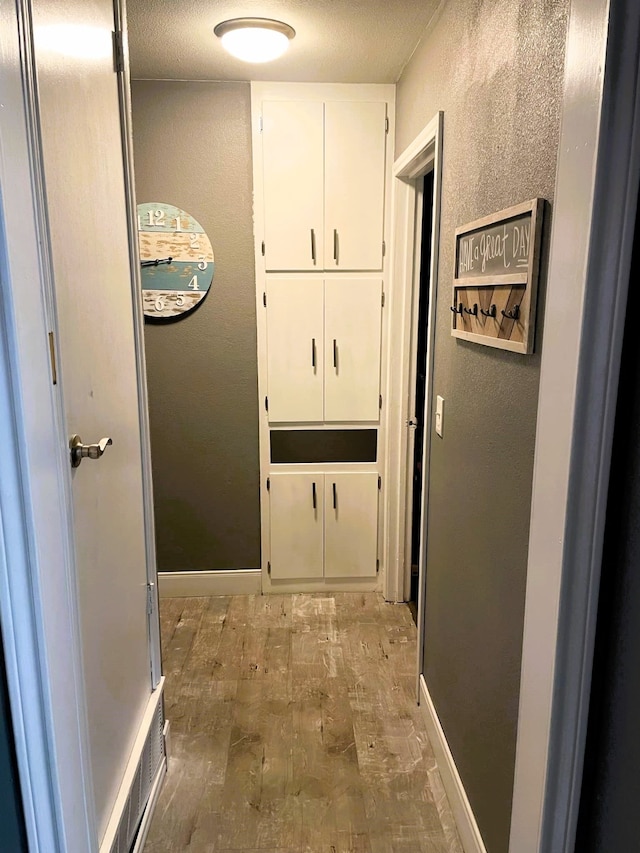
(80, 451)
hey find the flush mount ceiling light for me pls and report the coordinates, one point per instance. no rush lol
(254, 39)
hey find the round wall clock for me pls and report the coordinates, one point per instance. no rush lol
(176, 258)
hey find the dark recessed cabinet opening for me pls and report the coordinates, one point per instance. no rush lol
(293, 446)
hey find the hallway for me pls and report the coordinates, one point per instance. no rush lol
(294, 729)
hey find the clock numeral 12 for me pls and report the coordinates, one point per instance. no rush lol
(156, 217)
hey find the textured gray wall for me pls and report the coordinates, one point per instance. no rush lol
(192, 148)
(495, 68)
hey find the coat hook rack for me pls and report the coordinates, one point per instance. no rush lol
(490, 313)
(514, 314)
(473, 311)
(457, 310)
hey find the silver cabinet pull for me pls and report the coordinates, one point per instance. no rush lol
(80, 451)
(314, 496)
(313, 245)
(335, 353)
(313, 353)
(335, 245)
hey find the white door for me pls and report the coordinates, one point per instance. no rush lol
(353, 326)
(293, 156)
(351, 525)
(355, 142)
(85, 187)
(296, 503)
(295, 349)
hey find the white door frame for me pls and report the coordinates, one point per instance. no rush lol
(592, 238)
(423, 155)
(38, 582)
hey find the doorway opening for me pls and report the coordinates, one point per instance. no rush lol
(418, 392)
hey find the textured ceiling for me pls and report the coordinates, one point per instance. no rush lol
(340, 41)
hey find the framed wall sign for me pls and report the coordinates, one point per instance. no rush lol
(176, 258)
(495, 278)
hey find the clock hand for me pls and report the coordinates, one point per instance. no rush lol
(156, 262)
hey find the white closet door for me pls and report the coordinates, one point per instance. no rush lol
(353, 321)
(355, 141)
(297, 510)
(351, 525)
(293, 162)
(295, 349)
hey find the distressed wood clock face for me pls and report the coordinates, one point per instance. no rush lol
(176, 259)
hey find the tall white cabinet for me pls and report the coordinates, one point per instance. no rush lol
(322, 165)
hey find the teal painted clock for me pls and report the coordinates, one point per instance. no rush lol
(176, 258)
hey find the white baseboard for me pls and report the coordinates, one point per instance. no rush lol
(147, 755)
(460, 806)
(145, 824)
(230, 582)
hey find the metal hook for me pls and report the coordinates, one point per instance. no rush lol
(490, 313)
(473, 311)
(514, 314)
(457, 310)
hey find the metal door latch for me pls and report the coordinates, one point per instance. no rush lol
(80, 451)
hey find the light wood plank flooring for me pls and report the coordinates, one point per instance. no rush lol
(294, 729)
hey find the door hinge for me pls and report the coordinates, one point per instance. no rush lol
(386, 125)
(377, 566)
(118, 52)
(150, 597)
(383, 298)
(260, 124)
(268, 484)
(380, 402)
(263, 248)
(266, 404)
(269, 569)
(264, 299)
(379, 482)
(52, 356)
(384, 248)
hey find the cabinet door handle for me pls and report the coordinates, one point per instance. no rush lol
(314, 496)
(335, 497)
(335, 245)
(335, 353)
(313, 245)
(313, 353)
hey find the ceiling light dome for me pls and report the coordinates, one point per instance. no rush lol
(254, 39)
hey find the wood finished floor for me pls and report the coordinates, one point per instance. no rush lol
(294, 729)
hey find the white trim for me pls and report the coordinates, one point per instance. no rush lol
(465, 820)
(593, 225)
(231, 582)
(124, 91)
(137, 752)
(147, 817)
(424, 153)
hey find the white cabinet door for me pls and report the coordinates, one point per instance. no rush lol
(355, 141)
(351, 525)
(353, 318)
(293, 156)
(297, 520)
(295, 349)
